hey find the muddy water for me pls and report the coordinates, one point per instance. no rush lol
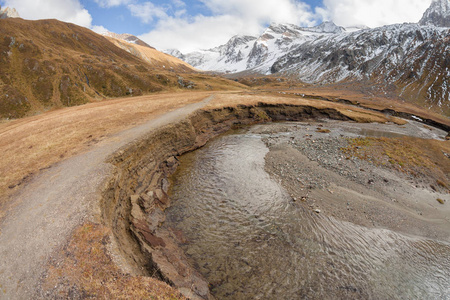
(246, 236)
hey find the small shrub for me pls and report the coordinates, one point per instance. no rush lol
(441, 183)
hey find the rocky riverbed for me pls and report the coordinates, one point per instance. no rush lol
(307, 159)
(282, 211)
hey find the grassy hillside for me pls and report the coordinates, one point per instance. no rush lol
(48, 64)
(152, 56)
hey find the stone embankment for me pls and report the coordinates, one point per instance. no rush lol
(136, 197)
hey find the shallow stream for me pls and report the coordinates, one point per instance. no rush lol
(251, 241)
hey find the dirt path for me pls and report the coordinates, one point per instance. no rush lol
(55, 202)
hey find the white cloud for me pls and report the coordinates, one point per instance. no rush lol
(282, 11)
(374, 13)
(68, 10)
(175, 28)
(200, 33)
(147, 11)
(229, 18)
(179, 3)
(111, 3)
(99, 29)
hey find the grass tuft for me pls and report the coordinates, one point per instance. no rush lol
(413, 156)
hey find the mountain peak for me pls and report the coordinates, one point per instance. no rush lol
(8, 13)
(282, 28)
(129, 38)
(240, 39)
(325, 27)
(438, 14)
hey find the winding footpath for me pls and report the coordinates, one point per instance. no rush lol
(56, 201)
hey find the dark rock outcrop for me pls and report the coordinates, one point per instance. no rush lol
(438, 14)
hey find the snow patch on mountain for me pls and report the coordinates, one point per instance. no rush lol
(326, 27)
(8, 12)
(259, 53)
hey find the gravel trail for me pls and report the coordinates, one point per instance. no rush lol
(55, 202)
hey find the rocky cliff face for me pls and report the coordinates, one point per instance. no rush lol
(438, 14)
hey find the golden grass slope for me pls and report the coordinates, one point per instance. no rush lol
(153, 57)
(50, 64)
(31, 144)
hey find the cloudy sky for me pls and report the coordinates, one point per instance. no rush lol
(200, 24)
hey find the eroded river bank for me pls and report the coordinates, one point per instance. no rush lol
(278, 211)
(136, 199)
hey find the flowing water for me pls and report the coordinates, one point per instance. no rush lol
(250, 241)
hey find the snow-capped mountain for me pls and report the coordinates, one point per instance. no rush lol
(8, 12)
(438, 14)
(412, 59)
(230, 57)
(248, 52)
(326, 27)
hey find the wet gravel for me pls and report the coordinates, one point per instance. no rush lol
(307, 160)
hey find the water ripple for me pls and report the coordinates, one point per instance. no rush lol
(250, 242)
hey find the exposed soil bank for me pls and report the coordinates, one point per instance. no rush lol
(135, 200)
(49, 207)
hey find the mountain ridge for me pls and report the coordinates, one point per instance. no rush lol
(8, 12)
(129, 38)
(48, 64)
(438, 14)
(409, 60)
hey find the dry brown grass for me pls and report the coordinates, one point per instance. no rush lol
(84, 269)
(415, 156)
(51, 64)
(37, 142)
(357, 114)
(374, 102)
(30, 144)
(351, 93)
(152, 56)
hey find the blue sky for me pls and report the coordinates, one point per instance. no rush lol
(188, 25)
(120, 20)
